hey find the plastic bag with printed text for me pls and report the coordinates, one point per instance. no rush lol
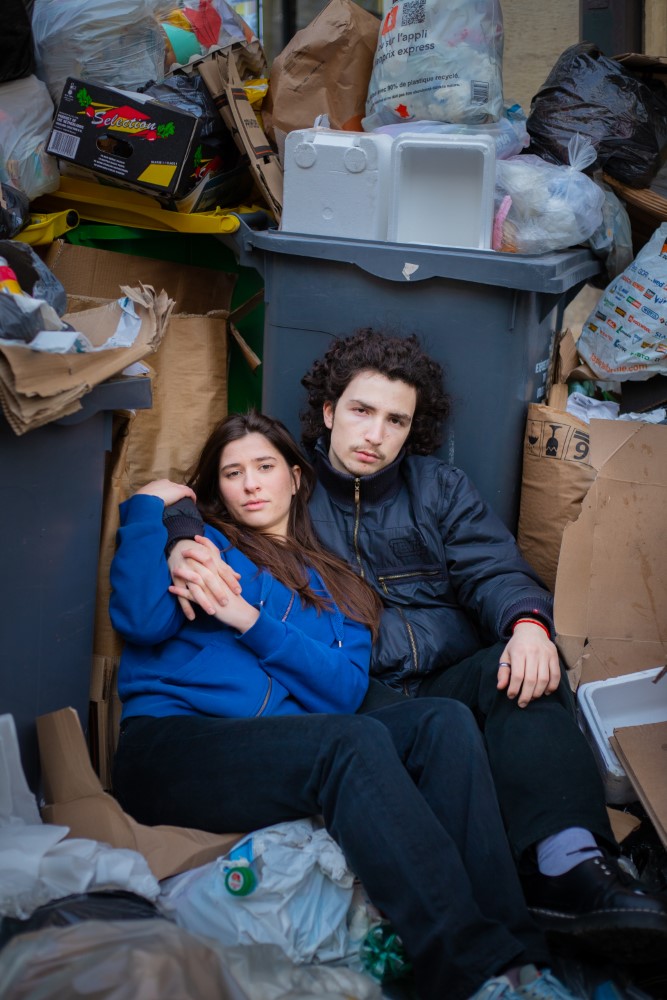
(437, 60)
(625, 336)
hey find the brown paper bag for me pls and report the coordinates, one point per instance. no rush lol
(324, 69)
(556, 476)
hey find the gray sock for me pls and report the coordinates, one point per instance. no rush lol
(563, 851)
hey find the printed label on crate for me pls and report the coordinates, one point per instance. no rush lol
(124, 135)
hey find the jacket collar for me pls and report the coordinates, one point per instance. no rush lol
(340, 486)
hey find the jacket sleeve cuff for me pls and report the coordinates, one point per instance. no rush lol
(264, 637)
(182, 521)
(539, 608)
(141, 507)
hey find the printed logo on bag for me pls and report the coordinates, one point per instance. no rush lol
(123, 118)
(548, 439)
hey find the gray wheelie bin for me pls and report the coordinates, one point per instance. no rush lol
(51, 506)
(488, 318)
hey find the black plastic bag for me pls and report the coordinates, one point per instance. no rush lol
(590, 94)
(14, 209)
(111, 904)
(17, 57)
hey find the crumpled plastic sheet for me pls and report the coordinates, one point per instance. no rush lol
(301, 901)
(37, 863)
(115, 960)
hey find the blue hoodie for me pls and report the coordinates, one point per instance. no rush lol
(291, 661)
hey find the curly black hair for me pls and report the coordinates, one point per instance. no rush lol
(397, 358)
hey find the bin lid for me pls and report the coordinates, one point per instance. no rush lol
(552, 273)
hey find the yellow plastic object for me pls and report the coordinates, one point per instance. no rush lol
(101, 203)
(45, 228)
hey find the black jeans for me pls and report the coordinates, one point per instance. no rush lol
(405, 791)
(544, 771)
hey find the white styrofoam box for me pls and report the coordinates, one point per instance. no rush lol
(442, 189)
(336, 183)
(631, 700)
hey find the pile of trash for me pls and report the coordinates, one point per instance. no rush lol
(174, 100)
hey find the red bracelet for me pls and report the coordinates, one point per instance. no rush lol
(531, 621)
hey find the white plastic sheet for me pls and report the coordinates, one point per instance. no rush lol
(301, 902)
(37, 863)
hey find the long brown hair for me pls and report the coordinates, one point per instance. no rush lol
(287, 559)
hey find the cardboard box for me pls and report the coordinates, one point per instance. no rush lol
(611, 585)
(220, 72)
(643, 752)
(135, 141)
(189, 398)
(74, 798)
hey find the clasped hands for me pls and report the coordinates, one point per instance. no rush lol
(200, 576)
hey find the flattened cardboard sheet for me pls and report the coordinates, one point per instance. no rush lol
(642, 750)
(611, 587)
(75, 799)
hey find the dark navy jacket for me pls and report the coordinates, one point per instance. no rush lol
(449, 572)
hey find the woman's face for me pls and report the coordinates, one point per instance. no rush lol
(257, 484)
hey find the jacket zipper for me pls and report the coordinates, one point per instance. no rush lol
(407, 576)
(408, 626)
(357, 518)
(266, 699)
(268, 690)
(289, 607)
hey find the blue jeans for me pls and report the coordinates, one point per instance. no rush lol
(405, 791)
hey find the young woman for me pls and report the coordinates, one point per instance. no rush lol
(242, 716)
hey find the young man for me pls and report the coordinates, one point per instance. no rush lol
(465, 618)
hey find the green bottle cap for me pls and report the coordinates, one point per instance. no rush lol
(240, 880)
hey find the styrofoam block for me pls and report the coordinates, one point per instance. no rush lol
(336, 183)
(442, 189)
(630, 700)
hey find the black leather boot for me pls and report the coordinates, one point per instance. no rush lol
(597, 903)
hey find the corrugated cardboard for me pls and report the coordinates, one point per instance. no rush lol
(74, 798)
(189, 398)
(555, 479)
(37, 387)
(220, 73)
(642, 750)
(611, 586)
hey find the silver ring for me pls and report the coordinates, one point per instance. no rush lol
(504, 663)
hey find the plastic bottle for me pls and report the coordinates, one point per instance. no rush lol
(383, 954)
(240, 880)
(8, 280)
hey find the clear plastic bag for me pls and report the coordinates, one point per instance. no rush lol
(437, 60)
(612, 241)
(26, 111)
(509, 134)
(115, 43)
(109, 960)
(541, 206)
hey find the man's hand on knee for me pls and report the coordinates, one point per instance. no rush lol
(529, 665)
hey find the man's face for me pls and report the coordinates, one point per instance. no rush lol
(370, 423)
